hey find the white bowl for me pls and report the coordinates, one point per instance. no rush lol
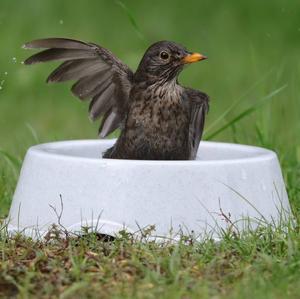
(68, 182)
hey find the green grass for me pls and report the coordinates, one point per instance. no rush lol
(262, 264)
(252, 76)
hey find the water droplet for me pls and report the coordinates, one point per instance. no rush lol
(1, 84)
(5, 73)
(244, 175)
(14, 59)
(61, 22)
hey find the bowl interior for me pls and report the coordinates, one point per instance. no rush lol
(208, 151)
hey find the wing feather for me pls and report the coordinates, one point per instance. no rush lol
(101, 77)
(86, 87)
(111, 120)
(198, 104)
(76, 69)
(56, 42)
(100, 103)
(60, 54)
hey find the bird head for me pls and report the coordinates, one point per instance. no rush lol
(164, 60)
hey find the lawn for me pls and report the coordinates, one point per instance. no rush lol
(252, 76)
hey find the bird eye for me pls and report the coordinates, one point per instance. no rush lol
(164, 55)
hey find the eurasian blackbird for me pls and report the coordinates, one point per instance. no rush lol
(159, 119)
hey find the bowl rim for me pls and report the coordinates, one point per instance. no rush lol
(46, 150)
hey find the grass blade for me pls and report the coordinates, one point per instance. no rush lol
(33, 132)
(240, 99)
(131, 19)
(246, 112)
(14, 162)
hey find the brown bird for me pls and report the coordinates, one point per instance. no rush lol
(159, 119)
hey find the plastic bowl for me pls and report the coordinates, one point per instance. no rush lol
(69, 183)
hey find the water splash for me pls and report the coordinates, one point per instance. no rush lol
(1, 84)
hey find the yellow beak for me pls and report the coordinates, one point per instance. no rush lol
(194, 57)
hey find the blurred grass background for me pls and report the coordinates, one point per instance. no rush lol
(253, 49)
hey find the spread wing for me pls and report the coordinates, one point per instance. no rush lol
(198, 106)
(100, 77)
